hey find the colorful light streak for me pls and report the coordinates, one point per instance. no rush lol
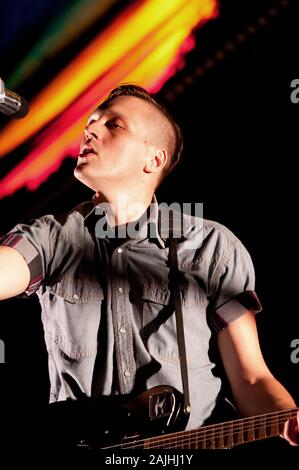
(130, 49)
(66, 27)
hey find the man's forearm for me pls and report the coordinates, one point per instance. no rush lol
(263, 396)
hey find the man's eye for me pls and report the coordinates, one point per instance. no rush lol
(113, 124)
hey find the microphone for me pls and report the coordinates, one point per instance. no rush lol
(12, 104)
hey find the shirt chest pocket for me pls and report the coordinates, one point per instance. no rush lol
(78, 291)
(155, 300)
(73, 317)
(159, 322)
(158, 297)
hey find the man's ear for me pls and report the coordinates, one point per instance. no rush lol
(156, 162)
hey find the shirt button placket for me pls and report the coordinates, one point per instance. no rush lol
(123, 337)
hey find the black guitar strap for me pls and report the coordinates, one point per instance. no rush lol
(175, 291)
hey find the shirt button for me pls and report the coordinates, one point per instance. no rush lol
(119, 250)
(122, 330)
(127, 373)
(120, 290)
(76, 297)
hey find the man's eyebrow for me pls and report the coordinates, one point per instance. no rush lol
(114, 113)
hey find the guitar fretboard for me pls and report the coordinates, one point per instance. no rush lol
(219, 436)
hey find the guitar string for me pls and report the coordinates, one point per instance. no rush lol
(217, 431)
(195, 436)
(186, 440)
(282, 417)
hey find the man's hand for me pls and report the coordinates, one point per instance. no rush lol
(291, 431)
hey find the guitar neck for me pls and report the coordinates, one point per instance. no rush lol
(222, 435)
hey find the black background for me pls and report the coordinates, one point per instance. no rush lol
(240, 160)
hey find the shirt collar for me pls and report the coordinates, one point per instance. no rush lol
(155, 227)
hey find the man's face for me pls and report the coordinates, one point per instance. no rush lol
(116, 143)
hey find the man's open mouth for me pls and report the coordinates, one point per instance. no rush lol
(87, 149)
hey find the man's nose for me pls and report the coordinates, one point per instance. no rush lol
(90, 134)
(87, 135)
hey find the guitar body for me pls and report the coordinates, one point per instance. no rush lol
(107, 421)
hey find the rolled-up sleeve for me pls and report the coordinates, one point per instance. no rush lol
(233, 284)
(33, 243)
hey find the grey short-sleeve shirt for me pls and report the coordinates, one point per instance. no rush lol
(108, 320)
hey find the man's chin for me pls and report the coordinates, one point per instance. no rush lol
(78, 172)
(82, 176)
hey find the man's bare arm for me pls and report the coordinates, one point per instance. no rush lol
(14, 273)
(254, 388)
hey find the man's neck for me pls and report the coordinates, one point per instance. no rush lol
(124, 207)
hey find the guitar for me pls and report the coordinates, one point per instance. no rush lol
(115, 423)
